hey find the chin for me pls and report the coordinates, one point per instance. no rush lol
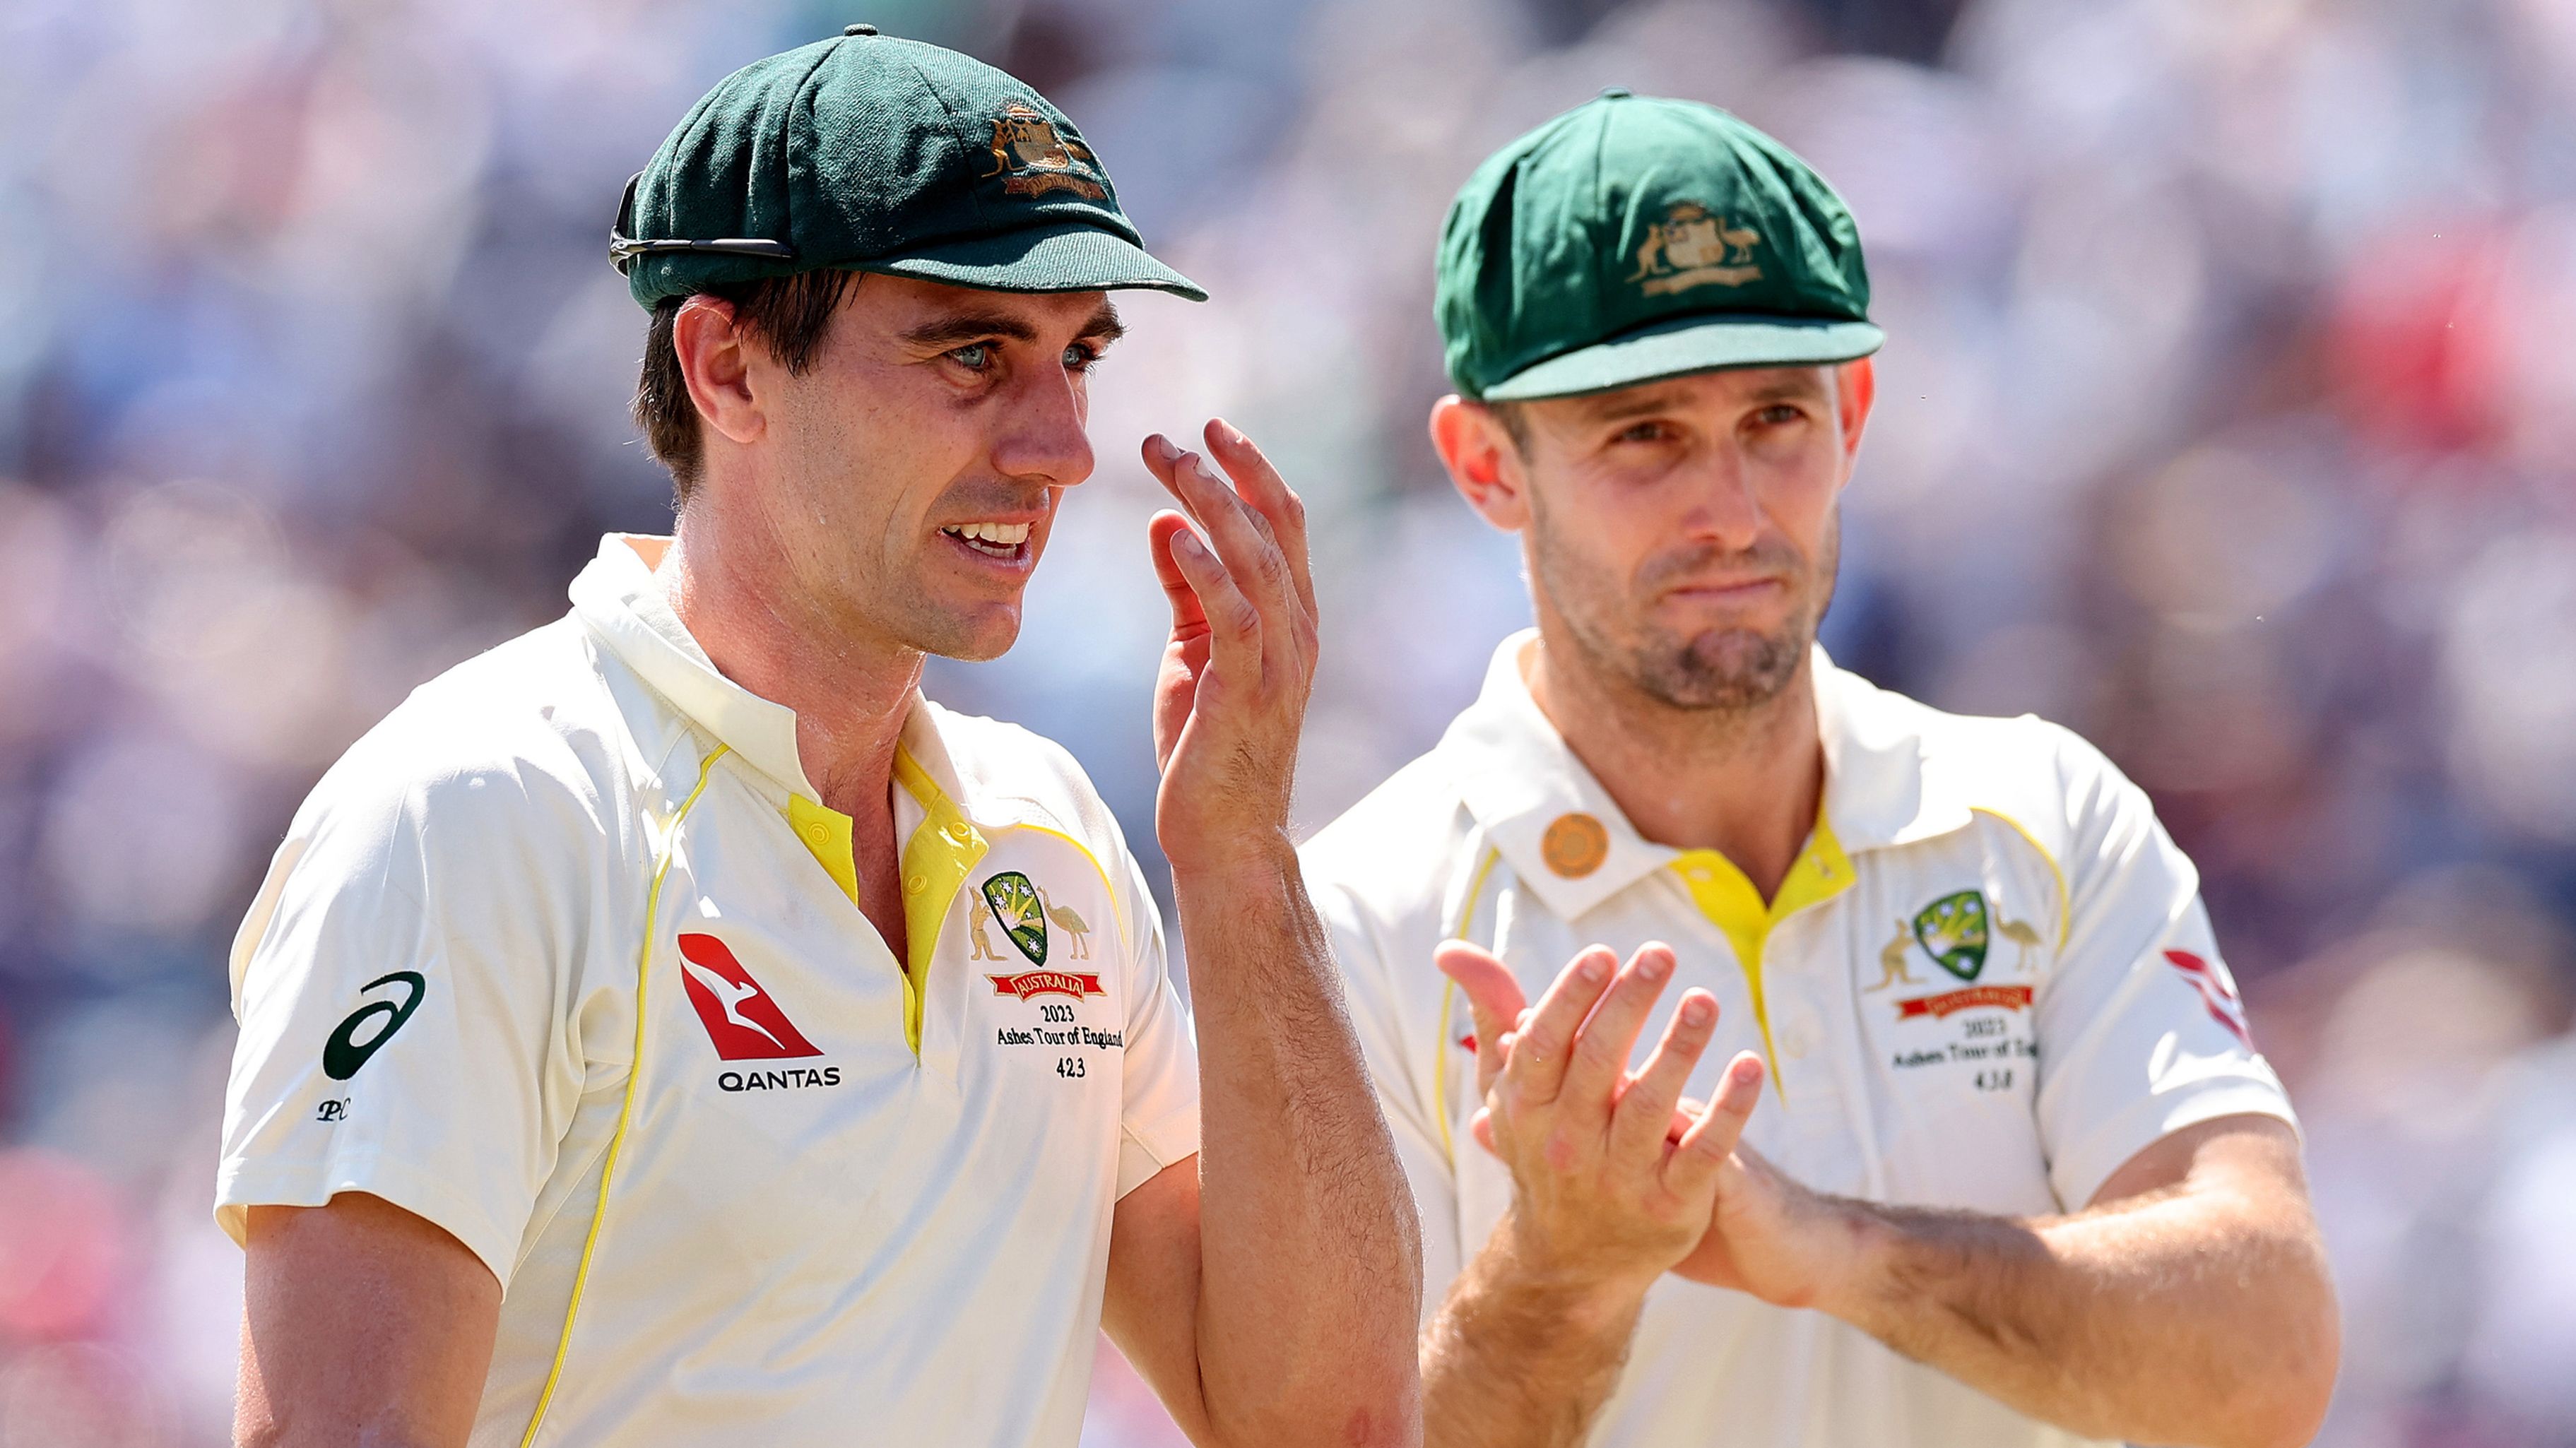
(974, 639)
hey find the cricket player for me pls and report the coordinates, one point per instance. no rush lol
(671, 1029)
(2019, 1175)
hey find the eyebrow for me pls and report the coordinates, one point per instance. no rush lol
(976, 324)
(1620, 406)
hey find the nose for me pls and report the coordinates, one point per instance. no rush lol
(1723, 509)
(1044, 439)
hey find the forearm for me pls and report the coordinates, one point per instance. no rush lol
(1311, 1275)
(2175, 1319)
(1516, 1360)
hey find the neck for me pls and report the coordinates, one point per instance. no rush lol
(1745, 783)
(851, 692)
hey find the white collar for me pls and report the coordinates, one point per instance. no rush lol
(1517, 777)
(617, 596)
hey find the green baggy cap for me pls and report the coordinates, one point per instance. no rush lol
(876, 154)
(1634, 238)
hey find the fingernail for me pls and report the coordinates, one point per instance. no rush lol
(1186, 541)
(1747, 1071)
(1590, 970)
(1655, 967)
(1695, 1012)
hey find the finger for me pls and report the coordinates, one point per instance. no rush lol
(1601, 1051)
(1482, 1128)
(1494, 1001)
(1189, 619)
(1705, 1147)
(1685, 1116)
(1234, 625)
(1240, 536)
(1536, 1065)
(1259, 484)
(1646, 1108)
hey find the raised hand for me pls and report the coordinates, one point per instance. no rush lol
(1603, 1190)
(1767, 1235)
(1231, 696)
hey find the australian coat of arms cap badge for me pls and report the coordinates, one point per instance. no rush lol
(1694, 247)
(1033, 158)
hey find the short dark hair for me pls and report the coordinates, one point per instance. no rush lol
(790, 315)
(1515, 421)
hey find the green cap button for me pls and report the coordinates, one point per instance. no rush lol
(1634, 238)
(895, 157)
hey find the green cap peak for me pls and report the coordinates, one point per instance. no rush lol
(1634, 238)
(873, 153)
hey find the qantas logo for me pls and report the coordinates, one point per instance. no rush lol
(2216, 992)
(740, 1017)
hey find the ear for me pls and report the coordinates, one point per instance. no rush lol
(715, 357)
(1483, 461)
(1856, 384)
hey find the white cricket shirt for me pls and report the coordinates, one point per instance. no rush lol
(573, 914)
(1986, 983)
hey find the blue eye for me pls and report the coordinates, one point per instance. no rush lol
(1081, 357)
(974, 356)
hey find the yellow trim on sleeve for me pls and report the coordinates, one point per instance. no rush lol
(1730, 902)
(2065, 902)
(626, 1101)
(936, 860)
(1449, 989)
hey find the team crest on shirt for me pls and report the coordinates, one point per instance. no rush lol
(1020, 909)
(1952, 930)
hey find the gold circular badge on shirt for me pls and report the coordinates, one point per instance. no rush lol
(1575, 845)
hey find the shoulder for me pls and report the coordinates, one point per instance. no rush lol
(1387, 867)
(494, 795)
(2033, 777)
(1010, 770)
(522, 742)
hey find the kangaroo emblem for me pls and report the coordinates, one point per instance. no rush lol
(731, 997)
(983, 943)
(1078, 933)
(1891, 961)
(2023, 937)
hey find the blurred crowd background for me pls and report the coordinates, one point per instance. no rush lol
(2229, 416)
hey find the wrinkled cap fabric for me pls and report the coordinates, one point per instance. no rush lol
(1634, 238)
(873, 153)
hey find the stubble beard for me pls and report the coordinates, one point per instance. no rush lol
(1720, 673)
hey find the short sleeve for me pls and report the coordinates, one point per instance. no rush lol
(1159, 1070)
(1404, 1095)
(2141, 1032)
(399, 986)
